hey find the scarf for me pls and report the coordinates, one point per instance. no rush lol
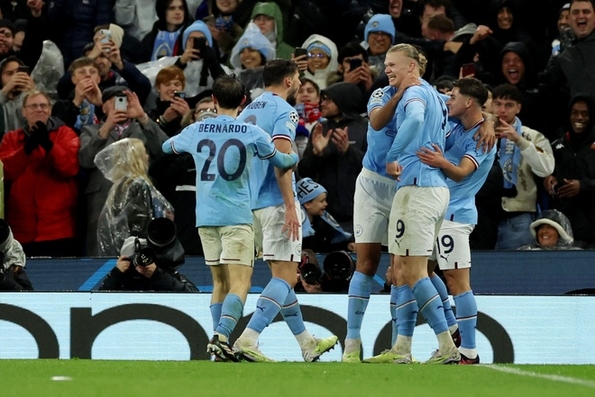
(510, 157)
(221, 23)
(339, 235)
(86, 115)
(164, 44)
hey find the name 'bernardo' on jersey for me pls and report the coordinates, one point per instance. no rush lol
(223, 128)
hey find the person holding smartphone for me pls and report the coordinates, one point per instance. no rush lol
(15, 82)
(199, 61)
(171, 106)
(354, 68)
(118, 124)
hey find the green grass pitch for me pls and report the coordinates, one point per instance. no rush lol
(83, 378)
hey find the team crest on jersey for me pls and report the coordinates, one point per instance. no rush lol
(294, 118)
(358, 230)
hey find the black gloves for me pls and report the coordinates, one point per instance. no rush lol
(31, 143)
(43, 135)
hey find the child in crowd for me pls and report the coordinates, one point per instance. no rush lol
(320, 231)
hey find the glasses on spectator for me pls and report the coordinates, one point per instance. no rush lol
(42, 106)
(199, 111)
(318, 55)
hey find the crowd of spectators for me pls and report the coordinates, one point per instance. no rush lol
(78, 77)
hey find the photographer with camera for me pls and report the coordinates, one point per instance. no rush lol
(12, 262)
(150, 264)
(336, 272)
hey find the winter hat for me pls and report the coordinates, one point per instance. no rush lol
(321, 46)
(308, 190)
(197, 26)
(252, 38)
(558, 221)
(380, 23)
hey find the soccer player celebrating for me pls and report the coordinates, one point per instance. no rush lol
(374, 192)
(223, 148)
(467, 169)
(418, 207)
(276, 217)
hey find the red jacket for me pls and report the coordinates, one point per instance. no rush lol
(41, 202)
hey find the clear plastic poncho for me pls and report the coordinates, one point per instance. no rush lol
(132, 201)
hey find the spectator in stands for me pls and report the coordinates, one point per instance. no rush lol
(13, 276)
(15, 83)
(308, 107)
(551, 231)
(267, 16)
(524, 155)
(440, 27)
(333, 157)
(198, 60)
(565, 34)
(517, 68)
(165, 38)
(354, 68)
(505, 28)
(83, 106)
(113, 70)
(248, 58)
(171, 105)
(572, 70)
(118, 124)
(40, 162)
(72, 22)
(224, 29)
(132, 202)
(150, 263)
(322, 59)
(378, 37)
(572, 184)
(320, 231)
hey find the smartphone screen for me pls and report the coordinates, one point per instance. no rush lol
(121, 103)
(468, 69)
(299, 51)
(354, 63)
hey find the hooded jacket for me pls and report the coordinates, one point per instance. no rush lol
(575, 160)
(283, 50)
(336, 171)
(320, 76)
(558, 221)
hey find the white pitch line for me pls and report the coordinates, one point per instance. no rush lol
(555, 378)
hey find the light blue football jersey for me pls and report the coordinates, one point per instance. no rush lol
(461, 207)
(223, 149)
(278, 119)
(422, 120)
(379, 141)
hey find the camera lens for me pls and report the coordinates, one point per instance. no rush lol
(161, 232)
(144, 257)
(310, 273)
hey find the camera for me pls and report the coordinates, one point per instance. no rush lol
(309, 269)
(339, 266)
(142, 256)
